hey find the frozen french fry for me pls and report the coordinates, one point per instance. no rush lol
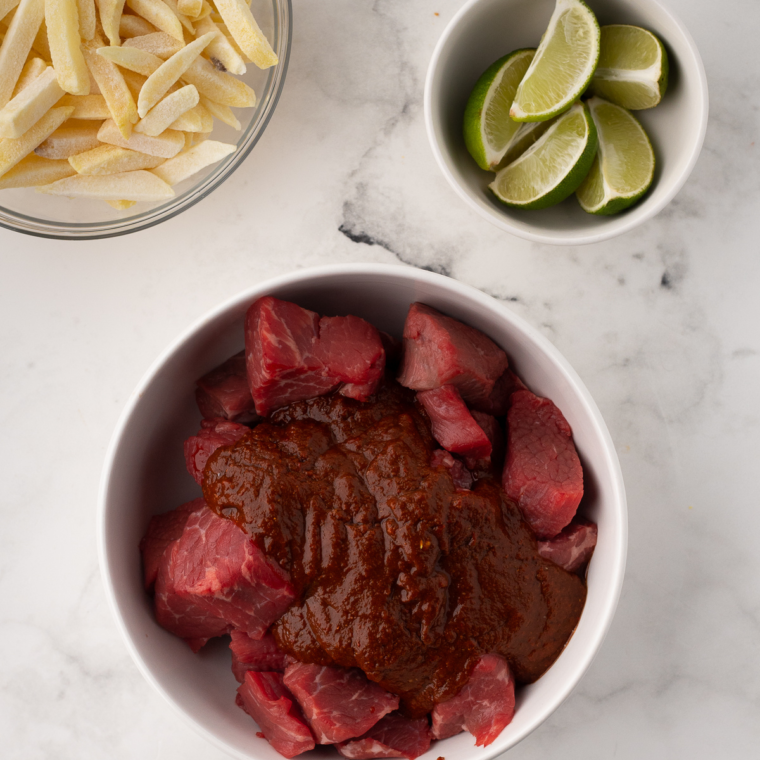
(87, 18)
(186, 164)
(223, 88)
(110, 159)
(167, 111)
(160, 44)
(62, 19)
(127, 186)
(168, 73)
(190, 8)
(114, 89)
(32, 69)
(121, 205)
(134, 82)
(6, 6)
(30, 105)
(12, 151)
(33, 170)
(245, 31)
(223, 113)
(131, 58)
(110, 19)
(219, 50)
(192, 139)
(184, 20)
(197, 119)
(134, 26)
(160, 15)
(17, 44)
(69, 139)
(87, 107)
(165, 145)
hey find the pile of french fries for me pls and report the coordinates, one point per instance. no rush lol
(115, 99)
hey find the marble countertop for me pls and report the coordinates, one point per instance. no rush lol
(661, 324)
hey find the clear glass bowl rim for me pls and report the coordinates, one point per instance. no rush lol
(116, 227)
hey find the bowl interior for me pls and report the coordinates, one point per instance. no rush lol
(485, 30)
(145, 474)
(26, 210)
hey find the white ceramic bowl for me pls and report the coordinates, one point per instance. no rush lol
(484, 30)
(144, 474)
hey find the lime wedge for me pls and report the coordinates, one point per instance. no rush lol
(528, 133)
(623, 168)
(563, 66)
(632, 69)
(488, 129)
(553, 167)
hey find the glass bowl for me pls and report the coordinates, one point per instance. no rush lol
(26, 210)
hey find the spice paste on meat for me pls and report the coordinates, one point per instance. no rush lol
(395, 570)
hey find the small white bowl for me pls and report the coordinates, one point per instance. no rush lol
(483, 31)
(144, 474)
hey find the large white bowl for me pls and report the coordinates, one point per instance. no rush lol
(144, 474)
(484, 30)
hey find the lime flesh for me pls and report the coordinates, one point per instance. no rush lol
(564, 64)
(488, 130)
(526, 136)
(633, 67)
(623, 168)
(553, 167)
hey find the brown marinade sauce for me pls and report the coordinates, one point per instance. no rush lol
(395, 571)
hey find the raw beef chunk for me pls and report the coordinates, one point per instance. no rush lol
(224, 392)
(212, 435)
(393, 736)
(497, 402)
(256, 654)
(213, 579)
(339, 703)
(162, 531)
(573, 547)
(452, 424)
(542, 472)
(264, 697)
(439, 350)
(484, 706)
(459, 473)
(352, 352)
(292, 355)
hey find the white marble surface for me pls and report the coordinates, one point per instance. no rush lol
(662, 324)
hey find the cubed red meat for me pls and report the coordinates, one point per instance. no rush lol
(459, 473)
(452, 424)
(213, 435)
(497, 402)
(484, 707)
(542, 472)
(352, 352)
(339, 703)
(573, 546)
(439, 350)
(256, 654)
(214, 578)
(224, 392)
(393, 736)
(265, 698)
(292, 355)
(162, 531)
